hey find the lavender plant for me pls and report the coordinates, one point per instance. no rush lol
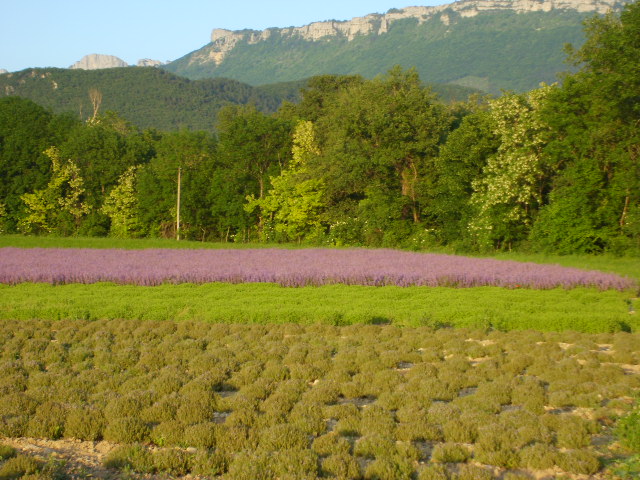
(292, 268)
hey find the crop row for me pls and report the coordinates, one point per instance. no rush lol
(318, 401)
(578, 309)
(293, 268)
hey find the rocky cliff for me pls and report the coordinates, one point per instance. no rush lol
(224, 41)
(96, 62)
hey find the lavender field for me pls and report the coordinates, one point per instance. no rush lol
(292, 268)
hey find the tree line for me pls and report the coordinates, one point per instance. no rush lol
(356, 162)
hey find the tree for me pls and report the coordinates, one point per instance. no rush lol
(48, 209)
(121, 206)
(292, 207)
(379, 139)
(595, 201)
(254, 146)
(26, 131)
(157, 185)
(461, 161)
(509, 191)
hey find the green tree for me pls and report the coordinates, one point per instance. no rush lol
(252, 147)
(121, 206)
(379, 140)
(157, 185)
(26, 131)
(49, 209)
(460, 161)
(293, 206)
(595, 201)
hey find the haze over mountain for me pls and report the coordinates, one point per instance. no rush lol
(485, 44)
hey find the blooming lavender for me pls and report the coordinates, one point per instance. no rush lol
(293, 268)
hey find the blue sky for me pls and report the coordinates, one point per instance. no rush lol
(57, 33)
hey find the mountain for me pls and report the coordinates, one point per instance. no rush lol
(96, 61)
(146, 96)
(150, 97)
(485, 44)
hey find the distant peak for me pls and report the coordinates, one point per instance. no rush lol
(97, 61)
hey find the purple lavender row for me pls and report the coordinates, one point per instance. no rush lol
(292, 268)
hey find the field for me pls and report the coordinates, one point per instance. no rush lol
(254, 380)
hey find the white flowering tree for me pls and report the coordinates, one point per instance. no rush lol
(508, 192)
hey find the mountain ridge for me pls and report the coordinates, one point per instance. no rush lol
(484, 44)
(225, 40)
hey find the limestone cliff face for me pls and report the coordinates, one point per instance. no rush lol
(147, 62)
(223, 41)
(96, 62)
(3, 71)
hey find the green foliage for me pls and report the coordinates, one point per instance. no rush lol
(585, 310)
(148, 97)
(60, 203)
(6, 452)
(19, 466)
(126, 430)
(292, 207)
(628, 430)
(120, 206)
(450, 453)
(341, 466)
(507, 193)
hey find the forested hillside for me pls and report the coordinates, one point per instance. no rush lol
(146, 96)
(356, 162)
(153, 98)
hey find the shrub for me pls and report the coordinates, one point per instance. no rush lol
(200, 435)
(173, 462)
(538, 456)
(309, 418)
(19, 466)
(48, 421)
(374, 446)
(573, 432)
(197, 406)
(434, 471)
(389, 468)
(133, 457)
(282, 437)
(84, 423)
(294, 464)
(578, 461)
(377, 421)
(419, 431)
(457, 431)
(126, 430)
(450, 453)
(6, 451)
(250, 465)
(169, 433)
(628, 430)
(341, 466)
(473, 472)
(208, 464)
(331, 444)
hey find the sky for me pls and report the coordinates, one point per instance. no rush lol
(57, 33)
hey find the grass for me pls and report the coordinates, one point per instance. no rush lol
(580, 309)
